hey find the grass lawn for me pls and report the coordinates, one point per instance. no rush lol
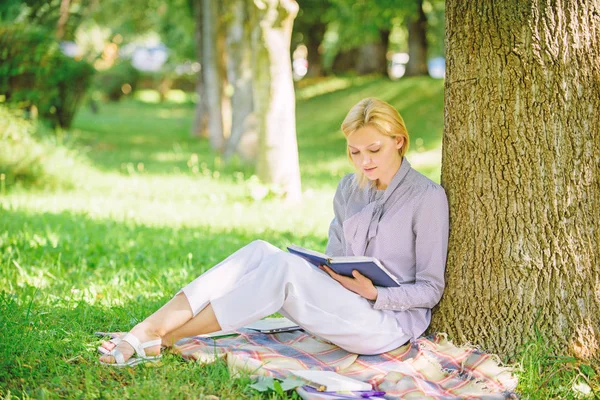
(154, 209)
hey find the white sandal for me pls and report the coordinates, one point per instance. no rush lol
(114, 339)
(104, 351)
(138, 347)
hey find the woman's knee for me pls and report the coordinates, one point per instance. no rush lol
(264, 246)
(286, 264)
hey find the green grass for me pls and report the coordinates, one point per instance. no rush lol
(155, 209)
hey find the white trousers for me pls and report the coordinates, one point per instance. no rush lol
(260, 279)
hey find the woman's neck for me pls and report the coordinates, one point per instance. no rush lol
(383, 184)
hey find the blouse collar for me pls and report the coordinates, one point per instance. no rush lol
(396, 180)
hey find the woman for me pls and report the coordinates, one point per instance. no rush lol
(385, 210)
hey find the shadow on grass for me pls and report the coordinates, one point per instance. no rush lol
(65, 276)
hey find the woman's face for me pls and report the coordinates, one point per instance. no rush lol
(375, 154)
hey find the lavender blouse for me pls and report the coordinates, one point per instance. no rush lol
(405, 226)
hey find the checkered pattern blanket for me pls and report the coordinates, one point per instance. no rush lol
(429, 368)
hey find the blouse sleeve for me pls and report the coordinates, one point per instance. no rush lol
(430, 226)
(335, 244)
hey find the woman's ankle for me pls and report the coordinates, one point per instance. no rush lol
(147, 330)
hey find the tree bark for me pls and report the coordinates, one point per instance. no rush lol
(521, 167)
(199, 127)
(417, 43)
(211, 74)
(239, 75)
(274, 95)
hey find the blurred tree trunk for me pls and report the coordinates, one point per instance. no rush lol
(62, 19)
(274, 95)
(165, 85)
(199, 127)
(384, 35)
(521, 167)
(314, 38)
(345, 61)
(211, 73)
(239, 75)
(223, 57)
(371, 59)
(417, 42)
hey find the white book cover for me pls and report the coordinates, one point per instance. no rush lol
(329, 381)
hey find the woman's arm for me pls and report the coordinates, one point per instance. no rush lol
(431, 225)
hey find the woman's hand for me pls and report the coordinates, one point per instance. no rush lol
(359, 284)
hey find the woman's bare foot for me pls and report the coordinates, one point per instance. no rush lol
(144, 334)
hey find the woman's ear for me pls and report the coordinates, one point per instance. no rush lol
(399, 142)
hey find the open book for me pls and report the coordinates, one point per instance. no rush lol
(368, 266)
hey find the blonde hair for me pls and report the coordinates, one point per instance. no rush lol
(379, 115)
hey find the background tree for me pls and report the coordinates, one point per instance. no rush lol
(363, 30)
(200, 125)
(274, 95)
(309, 28)
(521, 166)
(416, 23)
(239, 76)
(211, 73)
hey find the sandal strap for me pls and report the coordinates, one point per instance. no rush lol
(118, 356)
(139, 347)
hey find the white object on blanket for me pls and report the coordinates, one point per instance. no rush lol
(267, 325)
(273, 325)
(330, 381)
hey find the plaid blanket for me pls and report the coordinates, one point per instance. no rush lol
(429, 368)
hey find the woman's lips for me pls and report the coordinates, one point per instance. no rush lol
(367, 170)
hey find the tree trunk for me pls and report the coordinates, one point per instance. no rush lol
(62, 19)
(239, 75)
(384, 35)
(345, 61)
(314, 38)
(211, 74)
(417, 43)
(223, 62)
(274, 95)
(199, 127)
(521, 167)
(371, 59)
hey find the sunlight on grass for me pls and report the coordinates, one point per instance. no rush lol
(147, 96)
(151, 96)
(179, 96)
(330, 85)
